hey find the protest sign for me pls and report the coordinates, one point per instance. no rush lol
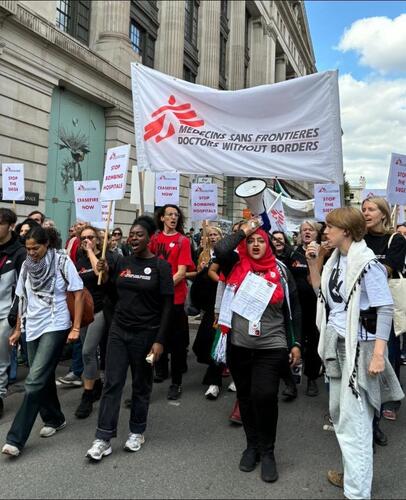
(104, 210)
(326, 198)
(148, 181)
(373, 193)
(276, 215)
(204, 202)
(115, 173)
(166, 188)
(13, 181)
(396, 188)
(193, 129)
(87, 200)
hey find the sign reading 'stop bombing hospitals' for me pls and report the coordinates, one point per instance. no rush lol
(115, 173)
(13, 181)
(289, 129)
(204, 201)
(396, 190)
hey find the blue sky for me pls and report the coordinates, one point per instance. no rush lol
(366, 42)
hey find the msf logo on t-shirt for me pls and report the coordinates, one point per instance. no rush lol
(126, 273)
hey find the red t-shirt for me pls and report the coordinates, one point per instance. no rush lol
(174, 248)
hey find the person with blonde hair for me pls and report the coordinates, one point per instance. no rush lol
(354, 318)
(203, 294)
(309, 232)
(390, 249)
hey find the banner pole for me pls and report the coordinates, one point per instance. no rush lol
(105, 241)
(141, 179)
(395, 216)
(14, 206)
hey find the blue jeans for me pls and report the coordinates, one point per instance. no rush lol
(40, 389)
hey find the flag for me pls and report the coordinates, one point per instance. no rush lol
(276, 216)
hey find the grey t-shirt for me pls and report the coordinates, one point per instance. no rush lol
(272, 327)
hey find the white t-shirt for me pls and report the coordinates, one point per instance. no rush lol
(42, 318)
(374, 293)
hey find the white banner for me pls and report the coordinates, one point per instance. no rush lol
(149, 189)
(290, 129)
(115, 173)
(373, 193)
(167, 188)
(276, 216)
(204, 202)
(296, 211)
(13, 181)
(326, 199)
(87, 200)
(102, 224)
(396, 189)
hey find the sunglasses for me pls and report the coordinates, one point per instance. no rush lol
(117, 234)
(83, 238)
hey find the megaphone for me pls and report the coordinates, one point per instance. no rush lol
(252, 191)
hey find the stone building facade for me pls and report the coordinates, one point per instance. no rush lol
(65, 89)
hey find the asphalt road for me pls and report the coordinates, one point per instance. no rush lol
(191, 451)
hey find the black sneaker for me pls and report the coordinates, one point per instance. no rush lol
(86, 405)
(250, 458)
(289, 393)
(269, 473)
(174, 391)
(1, 407)
(97, 390)
(380, 438)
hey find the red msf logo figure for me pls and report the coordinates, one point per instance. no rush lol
(183, 113)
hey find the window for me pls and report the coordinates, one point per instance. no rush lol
(191, 21)
(144, 29)
(73, 17)
(188, 74)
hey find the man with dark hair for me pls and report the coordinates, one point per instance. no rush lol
(37, 216)
(12, 256)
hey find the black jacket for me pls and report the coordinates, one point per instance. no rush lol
(227, 257)
(12, 256)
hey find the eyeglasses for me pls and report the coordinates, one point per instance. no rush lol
(117, 234)
(91, 238)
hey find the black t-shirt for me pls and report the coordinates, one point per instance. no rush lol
(140, 284)
(394, 256)
(89, 278)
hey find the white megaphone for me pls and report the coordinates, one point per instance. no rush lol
(252, 191)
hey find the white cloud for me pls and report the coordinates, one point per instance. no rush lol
(373, 119)
(379, 41)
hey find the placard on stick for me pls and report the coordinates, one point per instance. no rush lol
(13, 181)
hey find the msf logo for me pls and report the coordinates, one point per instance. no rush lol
(166, 116)
(279, 216)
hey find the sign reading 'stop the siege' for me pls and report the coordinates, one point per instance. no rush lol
(13, 181)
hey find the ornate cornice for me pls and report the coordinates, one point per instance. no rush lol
(49, 33)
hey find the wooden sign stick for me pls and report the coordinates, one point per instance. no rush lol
(105, 241)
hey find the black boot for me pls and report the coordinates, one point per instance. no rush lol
(86, 405)
(269, 473)
(250, 458)
(380, 437)
(312, 389)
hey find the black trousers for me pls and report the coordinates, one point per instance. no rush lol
(256, 373)
(176, 344)
(124, 349)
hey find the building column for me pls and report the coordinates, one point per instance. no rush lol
(258, 54)
(113, 42)
(170, 44)
(209, 44)
(236, 42)
(280, 70)
(270, 55)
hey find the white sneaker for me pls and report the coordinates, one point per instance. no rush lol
(212, 392)
(48, 431)
(9, 449)
(232, 387)
(134, 442)
(99, 449)
(69, 380)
